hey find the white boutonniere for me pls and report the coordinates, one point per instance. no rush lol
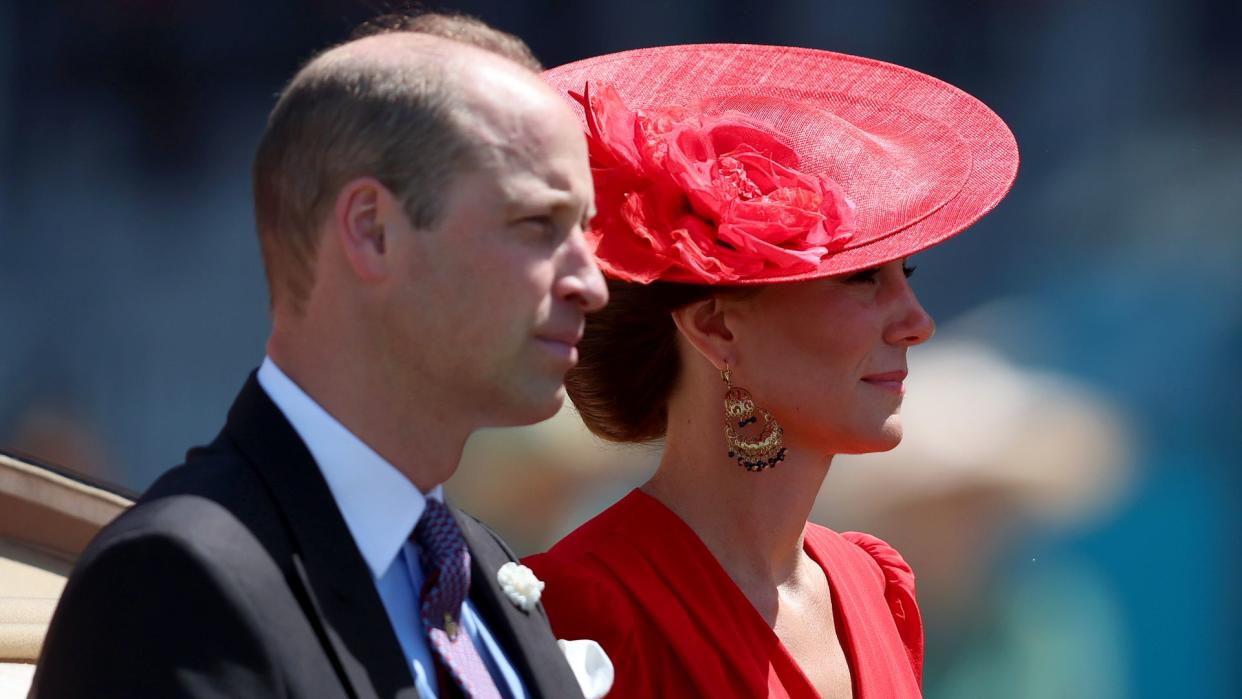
(520, 585)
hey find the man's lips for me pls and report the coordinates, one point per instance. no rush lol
(890, 380)
(564, 343)
(568, 337)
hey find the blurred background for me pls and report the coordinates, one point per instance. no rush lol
(1069, 488)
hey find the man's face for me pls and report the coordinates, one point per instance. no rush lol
(486, 308)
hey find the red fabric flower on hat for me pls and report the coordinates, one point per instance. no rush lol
(704, 198)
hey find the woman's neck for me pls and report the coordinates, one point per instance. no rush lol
(752, 522)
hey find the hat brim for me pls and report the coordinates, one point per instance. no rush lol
(936, 159)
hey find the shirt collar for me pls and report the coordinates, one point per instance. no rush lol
(380, 505)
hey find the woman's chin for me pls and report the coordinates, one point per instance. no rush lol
(883, 438)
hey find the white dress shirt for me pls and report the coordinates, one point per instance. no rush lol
(381, 507)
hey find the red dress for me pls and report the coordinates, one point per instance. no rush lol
(640, 582)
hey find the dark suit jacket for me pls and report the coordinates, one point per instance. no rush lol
(235, 576)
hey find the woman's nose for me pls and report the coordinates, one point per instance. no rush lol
(913, 325)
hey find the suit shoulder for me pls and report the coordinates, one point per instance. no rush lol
(477, 530)
(165, 543)
(217, 471)
(214, 507)
(139, 615)
(190, 567)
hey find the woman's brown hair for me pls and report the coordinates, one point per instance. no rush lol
(628, 362)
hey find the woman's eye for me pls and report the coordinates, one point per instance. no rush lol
(908, 270)
(866, 276)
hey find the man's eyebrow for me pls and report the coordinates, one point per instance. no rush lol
(545, 199)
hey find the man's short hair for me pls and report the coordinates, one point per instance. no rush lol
(343, 117)
(458, 27)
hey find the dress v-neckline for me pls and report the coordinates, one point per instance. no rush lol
(840, 617)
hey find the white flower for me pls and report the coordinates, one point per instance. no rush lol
(520, 585)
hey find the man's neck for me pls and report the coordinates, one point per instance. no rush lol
(412, 432)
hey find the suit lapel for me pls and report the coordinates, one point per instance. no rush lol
(525, 637)
(336, 584)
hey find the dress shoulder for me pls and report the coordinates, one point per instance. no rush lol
(581, 596)
(607, 581)
(899, 592)
(896, 571)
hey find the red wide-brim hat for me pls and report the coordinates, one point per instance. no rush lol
(742, 164)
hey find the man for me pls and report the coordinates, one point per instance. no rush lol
(420, 204)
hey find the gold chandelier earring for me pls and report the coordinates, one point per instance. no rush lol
(766, 450)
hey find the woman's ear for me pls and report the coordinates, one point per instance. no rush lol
(704, 324)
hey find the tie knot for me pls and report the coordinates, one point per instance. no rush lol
(446, 561)
(436, 524)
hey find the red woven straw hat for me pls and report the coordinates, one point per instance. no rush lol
(742, 164)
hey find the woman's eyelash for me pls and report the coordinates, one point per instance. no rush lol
(867, 275)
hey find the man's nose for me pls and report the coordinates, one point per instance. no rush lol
(583, 283)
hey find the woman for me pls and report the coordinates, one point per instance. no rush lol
(756, 207)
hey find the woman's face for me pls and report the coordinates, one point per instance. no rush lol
(828, 357)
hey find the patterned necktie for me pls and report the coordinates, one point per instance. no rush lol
(446, 561)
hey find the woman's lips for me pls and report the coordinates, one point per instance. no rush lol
(889, 381)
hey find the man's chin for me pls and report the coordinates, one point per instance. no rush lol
(551, 406)
(533, 409)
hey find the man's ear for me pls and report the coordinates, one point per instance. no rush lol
(362, 208)
(705, 326)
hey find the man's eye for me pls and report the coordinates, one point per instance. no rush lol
(543, 226)
(538, 221)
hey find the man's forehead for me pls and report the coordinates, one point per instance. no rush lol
(533, 192)
(511, 133)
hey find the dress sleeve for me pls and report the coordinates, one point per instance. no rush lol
(898, 592)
